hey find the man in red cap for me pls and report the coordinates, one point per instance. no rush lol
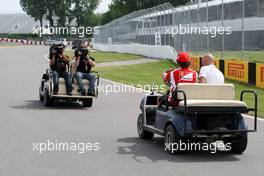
(180, 75)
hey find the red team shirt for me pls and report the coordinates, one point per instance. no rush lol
(180, 75)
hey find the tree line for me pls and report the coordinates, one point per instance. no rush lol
(120, 8)
(63, 12)
(81, 12)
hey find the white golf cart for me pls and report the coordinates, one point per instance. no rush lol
(48, 98)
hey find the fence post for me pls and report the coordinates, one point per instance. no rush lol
(164, 23)
(189, 21)
(198, 25)
(223, 36)
(252, 73)
(207, 24)
(243, 32)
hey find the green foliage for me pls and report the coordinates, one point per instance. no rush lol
(82, 10)
(50, 5)
(34, 8)
(28, 36)
(65, 11)
(62, 11)
(120, 8)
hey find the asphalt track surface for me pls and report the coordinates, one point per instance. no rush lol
(111, 122)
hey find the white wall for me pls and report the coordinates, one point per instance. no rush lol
(159, 52)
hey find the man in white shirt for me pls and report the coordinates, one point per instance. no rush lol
(209, 73)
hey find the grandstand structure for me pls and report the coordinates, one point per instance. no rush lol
(18, 23)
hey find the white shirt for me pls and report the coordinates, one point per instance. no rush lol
(212, 74)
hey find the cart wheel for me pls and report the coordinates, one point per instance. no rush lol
(240, 145)
(48, 101)
(87, 102)
(143, 134)
(171, 138)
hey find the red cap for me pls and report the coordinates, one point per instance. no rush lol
(183, 57)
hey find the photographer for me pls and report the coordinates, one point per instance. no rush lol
(58, 64)
(84, 63)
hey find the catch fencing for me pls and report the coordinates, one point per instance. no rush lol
(158, 26)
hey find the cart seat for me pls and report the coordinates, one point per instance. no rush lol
(213, 103)
(196, 91)
(208, 95)
(62, 87)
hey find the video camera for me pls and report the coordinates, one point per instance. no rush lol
(56, 49)
(81, 52)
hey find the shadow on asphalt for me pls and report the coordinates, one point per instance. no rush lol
(59, 105)
(149, 151)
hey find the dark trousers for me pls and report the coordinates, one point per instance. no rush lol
(67, 77)
(89, 76)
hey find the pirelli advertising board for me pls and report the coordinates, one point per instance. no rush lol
(260, 75)
(236, 70)
(195, 63)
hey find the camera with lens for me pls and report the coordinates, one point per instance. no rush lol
(83, 52)
(56, 49)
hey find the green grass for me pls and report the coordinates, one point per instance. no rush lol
(101, 57)
(254, 56)
(249, 99)
(139, 74)
(149, 73)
